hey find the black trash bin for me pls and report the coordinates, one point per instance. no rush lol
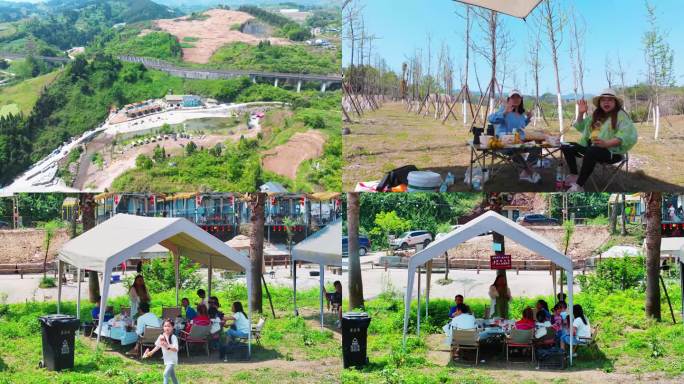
(58, 341)
(354, 338)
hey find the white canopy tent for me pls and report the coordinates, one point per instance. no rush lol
(517, 8)
(125, 236)
(489, 221)
(323, 248)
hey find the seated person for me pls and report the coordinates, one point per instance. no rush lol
(239, 329)
(95, 313)
(543, 307)
(527, 322)
(202, 318)
(145, 319)
(579, 330)
(189, 312)
(463, 319)
(214, 308)
(458, 299)
(541, 325)
(556, 318)
(203, 296)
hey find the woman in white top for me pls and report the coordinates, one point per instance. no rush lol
(239, 329)
(581, 330)
(499, 289)
(168, 343)
(137, 294)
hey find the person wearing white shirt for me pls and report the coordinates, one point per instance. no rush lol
(146, 319)
(462, 320)
(138, 294)
(580, 330)
(168, 343)
(239, 329)
(494, 292)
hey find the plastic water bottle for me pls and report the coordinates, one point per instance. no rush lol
(449, 179)
(560, 177)
(477, 183)
(485, 176)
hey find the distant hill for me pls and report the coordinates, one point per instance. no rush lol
(195, 5)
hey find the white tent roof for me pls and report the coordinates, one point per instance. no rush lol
(492, 221)
(672, 246)
(323, 247)
(619, 251)
(127, 236)
(517, 8)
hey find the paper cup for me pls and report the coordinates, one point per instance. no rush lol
(484, 140)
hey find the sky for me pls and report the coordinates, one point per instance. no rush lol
(613, 27)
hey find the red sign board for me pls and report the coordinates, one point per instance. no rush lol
(500, 261)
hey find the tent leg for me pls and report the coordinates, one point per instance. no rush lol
(59, 285)
(428, 278)
(570, 278)
(681, 283)
(418, 310)
(321, 274)
(103, 302)
(176, 262)
(294, 285)
(209, 273)
(78, 294)
(407, 303)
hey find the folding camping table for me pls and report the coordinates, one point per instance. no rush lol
(500, 157)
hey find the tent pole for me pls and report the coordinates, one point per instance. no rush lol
(418, 309)
(428, 278)
(59, 285)
(407, 302)
(321, 274)
(176, 262)
(209, 276)
(681, 283)
(294, 284)
(103, 302)
(570, 278)
(78, 295)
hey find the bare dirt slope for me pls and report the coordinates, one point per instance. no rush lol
(26, 245)
(285, 159)
(392, 137)
(212, 33)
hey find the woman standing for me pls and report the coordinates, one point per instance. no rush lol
(606, 137)
(138, 294)
(512, 119)
(500, 295)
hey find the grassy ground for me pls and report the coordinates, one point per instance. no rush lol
(629, 349)
(292, 349)
(25, 94)
(392, 137)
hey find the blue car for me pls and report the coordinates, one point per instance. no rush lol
(364, 245)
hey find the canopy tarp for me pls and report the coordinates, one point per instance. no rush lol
(489, 221)
(517, 8)
(324, 248)
(124, 236)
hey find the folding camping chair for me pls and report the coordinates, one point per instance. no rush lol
(465, 339)
(609, 172)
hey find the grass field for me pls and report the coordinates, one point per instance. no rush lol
(630, 348)
(292, 349)
(391, 137)
(25, 94)
(9, 109)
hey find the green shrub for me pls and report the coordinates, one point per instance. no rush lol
(47, 282)
(160, 275)
(615, 274)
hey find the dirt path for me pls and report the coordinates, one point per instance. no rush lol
(206, 36)
(392, 137)
(286, 158)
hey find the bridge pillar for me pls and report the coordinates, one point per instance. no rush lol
(275, 83)
(299, 86)
(254, 79)
(324, 85)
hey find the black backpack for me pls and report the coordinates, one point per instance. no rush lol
(395, 177)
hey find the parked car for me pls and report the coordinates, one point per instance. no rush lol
(411, 239)
(4, 225)
(364, 245)
(536, 219)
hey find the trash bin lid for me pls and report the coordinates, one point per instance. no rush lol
(55, 319)
(355, 315)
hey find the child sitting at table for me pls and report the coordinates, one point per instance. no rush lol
(189, 312)
(527, 321)
(202, 318)
(95, 313)
(335, 298)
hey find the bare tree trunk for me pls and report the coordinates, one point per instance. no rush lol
(87, 207)
(653, 236)
(553, 22)
(355, 279)
(256, 248)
